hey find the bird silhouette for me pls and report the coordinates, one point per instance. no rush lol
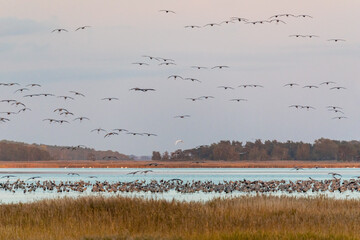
(337, 88)
(327, 83)
(110, 134)
(336, 40)
(98, 130)
(182, 116)
(238, 99)
(220, 67)
(59, 30)
(82, 28)
(81, 119)
(192, 26)
(226, 87)
(167, 11)
(110, 99)
(291, 84)
(77, 93)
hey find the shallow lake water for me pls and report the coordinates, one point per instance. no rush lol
(216, 175)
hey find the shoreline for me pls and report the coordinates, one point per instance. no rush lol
(177, 164)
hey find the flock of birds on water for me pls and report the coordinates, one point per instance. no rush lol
(23, 94)
(32, 185)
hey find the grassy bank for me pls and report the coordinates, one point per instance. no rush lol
(257, 217)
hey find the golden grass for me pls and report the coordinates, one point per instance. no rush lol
(259, 217)
(179, 164)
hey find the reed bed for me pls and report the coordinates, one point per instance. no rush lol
(258, 217)
(178, 164)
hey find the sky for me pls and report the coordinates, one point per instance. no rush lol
(97, 62)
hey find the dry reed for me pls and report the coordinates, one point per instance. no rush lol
(259, 217)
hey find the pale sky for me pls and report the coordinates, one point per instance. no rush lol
(98, 62)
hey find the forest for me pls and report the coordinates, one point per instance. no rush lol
(321, 150)
(16, 151)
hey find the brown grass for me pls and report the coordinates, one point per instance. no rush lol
(258, 217)
(179, 164)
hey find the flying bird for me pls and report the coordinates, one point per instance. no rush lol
(66, 97)
(178, 141)
(193, 99)
(67, 113)
(110, 99)
(134, 133)
(46, 94)
(167, 11)
(308, 107)
(296, 35)
(150, 57)
(211, 24)
(82, 28)
(2, 119)
(296, 106)
(59, 30)
(239, 19)
(21, 90)
(193, 80)
(167, 63)
(9, 113)
(336, 40)
(226, 22)
(198, 67)
(310, 86)
(18, 104)
(110, 134)
(192, 26)
(149, 134)
(220, 67)
(338, 88)
(33, 85)
(327, 83)
(277, 21)
(334, 107)
(24, 109)
(175, 77)
(141, 63)
(120, 130)
(182, 116)
(8, 100)
(304, 16)
(238, 99)
(77, 93)
(98, 130)
(81, 119)
(335, 110)
(282, 15)
(291, 84)
(206, 97)
(226, 87)
(61, 110)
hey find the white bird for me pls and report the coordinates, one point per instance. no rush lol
(178, 141)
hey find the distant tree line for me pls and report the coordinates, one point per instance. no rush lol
(321, 149)
(16, 151)
(10, 151)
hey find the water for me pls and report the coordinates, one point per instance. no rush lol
(215, 175)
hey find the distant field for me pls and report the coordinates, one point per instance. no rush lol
(258, 217)
(179, 164)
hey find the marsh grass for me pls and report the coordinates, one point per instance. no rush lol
(259, 217)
